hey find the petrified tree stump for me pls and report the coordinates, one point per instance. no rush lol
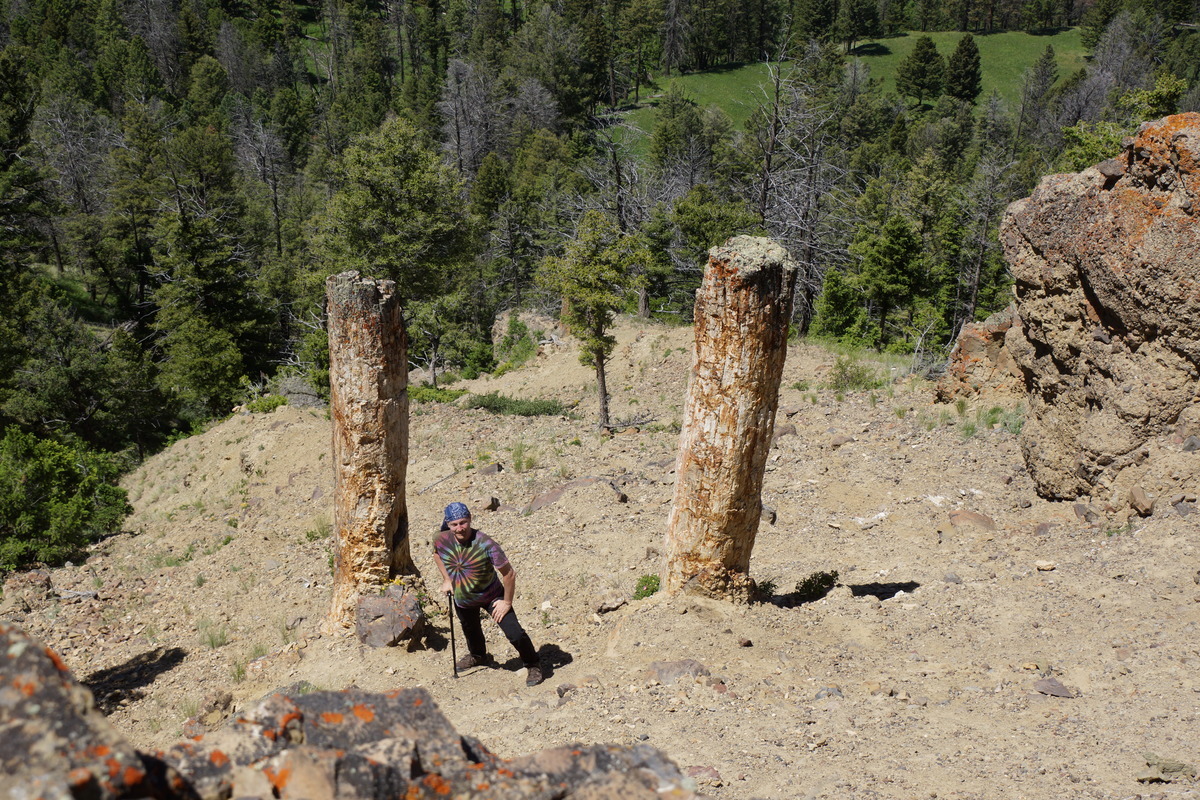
(368, 381)
(742, 313)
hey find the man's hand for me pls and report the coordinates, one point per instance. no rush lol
(501, 608)
(446, 586)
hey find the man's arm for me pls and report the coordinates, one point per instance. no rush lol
(447, 584)
(508, 579)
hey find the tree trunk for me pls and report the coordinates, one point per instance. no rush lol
(742, 314)
(602, 388)
(368, 400)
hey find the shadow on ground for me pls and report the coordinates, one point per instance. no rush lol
(125, 681)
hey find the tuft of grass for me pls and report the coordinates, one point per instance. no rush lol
(646, 586)
(321, 531)
(200, 580)
(497, 403)
(901, 412)
(212, 635)
(522, 457)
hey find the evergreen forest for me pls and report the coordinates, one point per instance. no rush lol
(179, 177)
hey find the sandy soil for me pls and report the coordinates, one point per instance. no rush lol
(917, 676)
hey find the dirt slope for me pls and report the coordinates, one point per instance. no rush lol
(914, 678)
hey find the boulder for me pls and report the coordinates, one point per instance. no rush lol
(980, 365)
(1105, 264)
(388, 619)
(316, 746)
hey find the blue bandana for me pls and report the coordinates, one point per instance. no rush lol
(456, 511)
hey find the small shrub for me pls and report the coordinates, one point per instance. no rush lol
(266, 403)
(849, 375)
(767, 587)
(239, 672)
(815, 586)
(960, 405)
(200, 580)
(497, 403)
(901, 412)
(646, 586)
(428, 394)
(55, 499)
(800, 386)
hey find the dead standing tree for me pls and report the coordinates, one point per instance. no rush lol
(368, 399)
(742, 313)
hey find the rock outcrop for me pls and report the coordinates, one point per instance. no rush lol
(316, 746)
(1107, 279)
(980, 365)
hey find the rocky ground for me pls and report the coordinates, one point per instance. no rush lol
(981, 642)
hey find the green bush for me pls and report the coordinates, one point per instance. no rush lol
(646, 586)
(499, 404)
(55, 499)
(266, 403)
(849, 375)
(428, 394)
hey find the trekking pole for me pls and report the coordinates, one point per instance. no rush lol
(450, 611)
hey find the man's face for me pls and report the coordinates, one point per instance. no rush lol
(461, 528)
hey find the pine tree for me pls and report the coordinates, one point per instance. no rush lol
(599, 271)
(921, 74)
(963, 74)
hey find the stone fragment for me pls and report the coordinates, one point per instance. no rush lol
(1045, 566)
(609, 601)
(668, 672)
(388, 619)
(840, 441)
(493, 468)
(485, 504)
(962, 518)
(1052, 687)
(1141, 502)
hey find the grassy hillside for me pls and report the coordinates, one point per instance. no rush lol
(1004, 57)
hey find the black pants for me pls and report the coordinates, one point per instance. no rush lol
(473, 632)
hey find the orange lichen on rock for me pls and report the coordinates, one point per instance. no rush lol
(364, 713)
(218, 758)
(332, 717)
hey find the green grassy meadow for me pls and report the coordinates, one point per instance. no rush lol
(1004, 58)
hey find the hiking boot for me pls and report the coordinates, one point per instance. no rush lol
(471, 660)
(533, 675)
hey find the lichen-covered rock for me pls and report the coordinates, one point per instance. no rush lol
(349, 745)
(55, 743)
(1107, 279)
(980, 364)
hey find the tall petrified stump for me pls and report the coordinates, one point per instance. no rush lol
(742, 314)
(368, 379)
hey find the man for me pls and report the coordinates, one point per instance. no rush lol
(477, 572)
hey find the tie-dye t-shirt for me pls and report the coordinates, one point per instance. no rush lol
(473, 568)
